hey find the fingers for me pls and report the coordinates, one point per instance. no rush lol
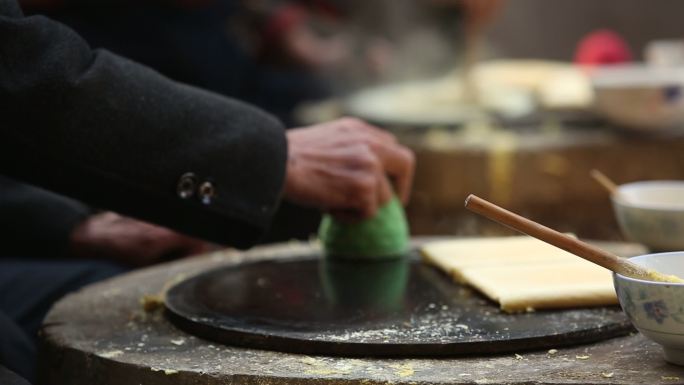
(358, 180)
(344, 180)
(398, 162)
(384, 190)
(367, 201)
(344, 165)
(365, 185)
(181, 244)
(362, 197)
(359, 127)
(186, 246)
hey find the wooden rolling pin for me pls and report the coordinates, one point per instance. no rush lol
(572, 245)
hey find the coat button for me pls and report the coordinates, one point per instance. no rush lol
(207, 192)
(186, 185)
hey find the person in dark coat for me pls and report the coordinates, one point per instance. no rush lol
(216, 45)
(101, 129)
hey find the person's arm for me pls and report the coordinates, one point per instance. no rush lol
(36, 222)
(39, 223)
(102, 129)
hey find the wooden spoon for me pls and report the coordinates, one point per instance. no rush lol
(607, 183)
(572, 245)
(604, 181)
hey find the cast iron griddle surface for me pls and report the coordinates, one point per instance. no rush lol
(390, 308)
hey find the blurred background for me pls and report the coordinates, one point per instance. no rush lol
(515, 101)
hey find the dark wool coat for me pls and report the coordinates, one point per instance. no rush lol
(102, 129)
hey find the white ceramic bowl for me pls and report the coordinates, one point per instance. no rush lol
(656, 308)
(640, 97)
(652, 213)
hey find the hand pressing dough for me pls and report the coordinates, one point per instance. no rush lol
(386, 235)
(523, 273)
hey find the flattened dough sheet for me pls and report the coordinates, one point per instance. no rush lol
(522, 273)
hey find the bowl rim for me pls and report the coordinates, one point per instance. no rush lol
(619, 198)
(648, 282)
(621, 76)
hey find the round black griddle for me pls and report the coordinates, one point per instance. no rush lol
(385, 308)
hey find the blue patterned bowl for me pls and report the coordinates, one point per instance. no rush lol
(656, 309)
(652, 213)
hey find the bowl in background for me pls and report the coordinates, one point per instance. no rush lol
(640, 97)
(656, 309)
(652, 213)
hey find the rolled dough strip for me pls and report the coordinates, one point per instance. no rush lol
(544, 286)
(523, 273)
(453, 256)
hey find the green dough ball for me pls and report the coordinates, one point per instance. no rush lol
(385, 235)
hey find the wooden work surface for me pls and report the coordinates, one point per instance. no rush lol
(541, 173)
(102, 335)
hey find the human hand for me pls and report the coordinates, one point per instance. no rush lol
(111, 236)
(343, 167)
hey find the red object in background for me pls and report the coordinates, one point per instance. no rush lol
(293, 13)
(284, 19)
(602, 47)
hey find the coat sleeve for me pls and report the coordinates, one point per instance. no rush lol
(117, 135)
(35, 222)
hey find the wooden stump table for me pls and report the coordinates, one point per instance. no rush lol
(103, 335)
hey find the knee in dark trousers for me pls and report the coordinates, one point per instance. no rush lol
(28, 289)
